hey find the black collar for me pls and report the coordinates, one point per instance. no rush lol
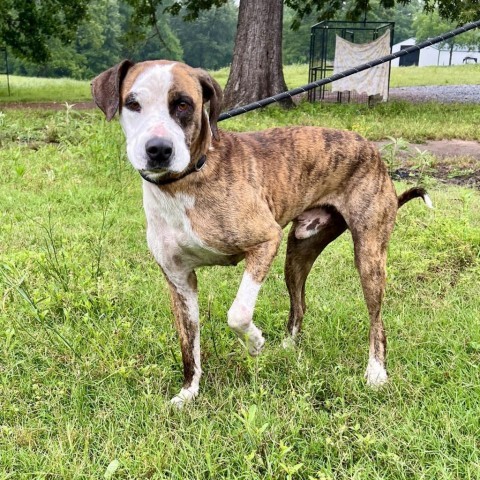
(194, 168)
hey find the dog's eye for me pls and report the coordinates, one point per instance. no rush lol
(182, 107)
(133, 105)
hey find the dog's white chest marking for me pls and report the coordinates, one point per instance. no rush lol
(171, 239)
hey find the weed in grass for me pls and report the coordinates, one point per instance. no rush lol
(54, 264)
(423, 163)
(111, 469)
(40, 315)
(390, 153)
(20, 170)
(52, 133)
(68, 111)
(97, 246)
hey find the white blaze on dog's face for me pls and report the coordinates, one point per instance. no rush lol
(149, 112)
(161, 105)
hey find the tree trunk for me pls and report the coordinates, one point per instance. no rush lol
(257, 70)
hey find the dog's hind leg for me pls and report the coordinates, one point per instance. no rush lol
(240, 316)
(370, 259)
(302, 251)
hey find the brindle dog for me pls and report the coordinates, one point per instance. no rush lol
(215, 198)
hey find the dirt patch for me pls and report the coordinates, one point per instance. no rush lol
(46, 105)
(455, 162)
(437, 93)
(448, 174)
(440, 148)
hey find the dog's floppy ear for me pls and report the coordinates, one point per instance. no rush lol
(212, 92)
(106, 88)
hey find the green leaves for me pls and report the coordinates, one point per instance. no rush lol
(26, 27)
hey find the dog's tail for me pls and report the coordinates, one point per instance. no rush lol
(415, 193)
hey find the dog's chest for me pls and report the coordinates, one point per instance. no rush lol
(170, 235)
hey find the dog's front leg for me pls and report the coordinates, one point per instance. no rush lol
(183, 292)
(240, 316)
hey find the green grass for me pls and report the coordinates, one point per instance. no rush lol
(413, 122)
(25, 89)
(454, 75)
(297, 75)
(89, 357)
(32, 89)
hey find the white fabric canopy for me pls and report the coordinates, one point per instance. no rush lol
(373, 81)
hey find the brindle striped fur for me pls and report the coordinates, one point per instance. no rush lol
(251, 187)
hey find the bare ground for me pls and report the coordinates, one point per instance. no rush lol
(438, 93)
(451, 161)
(46, 105)
(441, 148)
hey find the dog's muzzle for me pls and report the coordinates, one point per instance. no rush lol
(159, 150)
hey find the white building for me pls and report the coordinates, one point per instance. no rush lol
(433, 55)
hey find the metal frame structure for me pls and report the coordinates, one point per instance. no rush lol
(351, 71)
(322, 52)
(5, 71)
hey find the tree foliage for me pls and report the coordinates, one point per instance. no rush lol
(296, 43)
(95, 45)
(207, 41)
(459, 11)
(427, 25)
(80, 38)
(454, 10)
(110, 31)
(27, 26)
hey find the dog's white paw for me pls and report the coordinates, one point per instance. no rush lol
(375, 374)
(255, 344)
(186, 395)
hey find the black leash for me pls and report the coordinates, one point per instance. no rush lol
(310, 86)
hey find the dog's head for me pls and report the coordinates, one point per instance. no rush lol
(162, 112)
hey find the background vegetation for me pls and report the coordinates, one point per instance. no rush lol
(112, 32)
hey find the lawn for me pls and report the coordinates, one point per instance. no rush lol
(297, 75)
(89, 357)
(413, 122)
(32, 89)
(25, 89)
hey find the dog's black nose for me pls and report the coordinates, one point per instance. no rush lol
(159, 150)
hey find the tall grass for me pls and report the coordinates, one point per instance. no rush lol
(412, 122)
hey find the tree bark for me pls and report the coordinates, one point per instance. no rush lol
(257, 70)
